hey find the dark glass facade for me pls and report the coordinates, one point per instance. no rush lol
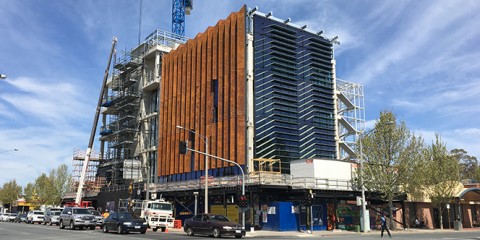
(294, 93)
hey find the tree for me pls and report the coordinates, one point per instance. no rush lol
(10, 192)
(62, 180)
(391, 154)
(29, 192)
(49, 189)
(443, 176)
(469, 168)
(45, 189)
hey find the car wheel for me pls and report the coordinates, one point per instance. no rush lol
(72, 226)
(216, 233)
(189, 232)
(105, 230)
(51, 223)
(164, 229)
(119, 229)
(61, 225)
(154, 229)
(92, 228)
(143, 232)
(44, 223)
(238, 236)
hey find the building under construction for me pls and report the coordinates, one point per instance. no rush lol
(253, 89)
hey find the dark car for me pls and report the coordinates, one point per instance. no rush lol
(21, 217)
(214, 225)
(124, 222)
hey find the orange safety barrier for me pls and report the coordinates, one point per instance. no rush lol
(177, 224)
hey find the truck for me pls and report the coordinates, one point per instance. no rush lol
(157, 213)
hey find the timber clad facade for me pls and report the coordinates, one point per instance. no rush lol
(203, 89)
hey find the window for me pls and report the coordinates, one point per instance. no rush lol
(215, 100)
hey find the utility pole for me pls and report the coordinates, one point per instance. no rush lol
(364, 215)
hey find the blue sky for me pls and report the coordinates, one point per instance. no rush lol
(419, 59)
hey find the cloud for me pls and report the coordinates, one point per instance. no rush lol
(56, 102)
(461, 138)
(420, 33)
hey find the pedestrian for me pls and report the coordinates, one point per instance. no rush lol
(384, 226)
(417, 223)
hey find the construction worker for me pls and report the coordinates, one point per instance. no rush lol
(105, 214)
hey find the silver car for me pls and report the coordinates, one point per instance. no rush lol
(52, 217)
(77, 217)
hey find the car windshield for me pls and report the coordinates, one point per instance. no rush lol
(124, 215)
(161, 206)
(94, 212)
(56, 213)
(80, 211)
(38, 213)
(219, 218)
(14, 214)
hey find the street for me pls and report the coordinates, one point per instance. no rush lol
(17, 231)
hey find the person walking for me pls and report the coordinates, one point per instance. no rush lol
(384, 226)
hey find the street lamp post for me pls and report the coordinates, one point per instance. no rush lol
(205, 140)
(365, 216)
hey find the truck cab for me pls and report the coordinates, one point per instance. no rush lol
(158, 214)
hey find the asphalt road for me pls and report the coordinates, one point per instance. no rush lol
(17, 231)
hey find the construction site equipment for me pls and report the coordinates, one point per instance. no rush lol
(78, 198)
(180, 8)
(157, 213)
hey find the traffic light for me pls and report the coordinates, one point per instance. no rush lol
(183, 147)
(243, 201)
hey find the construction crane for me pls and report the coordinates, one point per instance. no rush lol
(179, 10)
(78, 199)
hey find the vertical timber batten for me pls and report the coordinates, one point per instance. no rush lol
(187, 99)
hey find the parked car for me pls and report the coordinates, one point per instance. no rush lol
(4, 217)
(98, 217)
(77, 217)
(35, 216)
(124, 222)
(52, 217)
(214, 225)
(12, 217)
(21, 217)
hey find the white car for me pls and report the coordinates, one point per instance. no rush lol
(35, 217)
(12, 217)
(5, 217)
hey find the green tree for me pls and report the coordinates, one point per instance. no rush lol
(45, 189)
(10, 192)
(61, 179)
(469, 168)
(29, 192)
(391, 154)
(49, 189)
(443, 176)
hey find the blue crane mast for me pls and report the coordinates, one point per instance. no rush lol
(180, 8)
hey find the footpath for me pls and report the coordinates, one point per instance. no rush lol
(266, 233)
(263, 233)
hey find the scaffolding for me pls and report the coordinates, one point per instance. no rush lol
(92, 183)
(130, 111)
(351, 112)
